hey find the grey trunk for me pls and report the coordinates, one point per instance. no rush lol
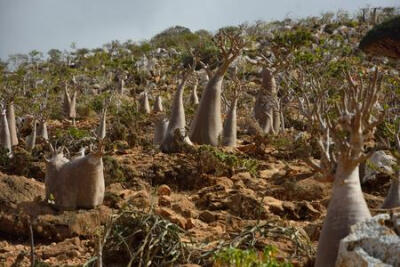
(346, 207)
(144, 104)
(158, 106)
(121, 87)
(230, 127)
(194, 99)
(42, 131)
(207, 124)
(176, 121)
(11, 124)
(276, 120)
(392, 199)
(266, 111)
(263, 113)
(101, 130)
(5, 137)
(160, 131)
(31, 139)
(69, 105)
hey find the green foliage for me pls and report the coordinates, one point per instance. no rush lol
(214, 159)
(113, 173)
(297, 38)
(235, 257)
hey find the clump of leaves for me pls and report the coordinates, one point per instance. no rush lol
(212, 159)
(144, 239)
(113, 173)
(231, 257)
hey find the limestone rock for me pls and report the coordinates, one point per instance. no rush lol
(371, 243)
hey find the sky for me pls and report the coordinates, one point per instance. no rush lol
(26, 25)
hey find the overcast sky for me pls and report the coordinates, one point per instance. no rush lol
(44, 24)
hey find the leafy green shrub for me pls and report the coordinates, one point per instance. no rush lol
(113, 173)
(297, 38)
(212, 159)
(235, 257)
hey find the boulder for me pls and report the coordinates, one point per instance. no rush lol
(373, 242)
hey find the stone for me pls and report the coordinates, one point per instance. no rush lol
(207, 216)
(189, 224)
(164, 201)
(164, 190)
(373, 242)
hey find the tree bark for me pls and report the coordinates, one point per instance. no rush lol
(230, 127)
(392, 199)
(11, 124)
(158, 106)
(177, 120)
(346, 207)
(5, 138)
(207, 124)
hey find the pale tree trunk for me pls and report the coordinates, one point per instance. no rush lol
(177, 120)
(346, 207)
(31, 139)
(5, 137)
(276, 115)
(144, 105)
(158, 106)
(42, 131)
(69, 105)
(229, 137)
(266, 110)
(101, 130)
(207, 124)
(121, 87)
(392, 199)
(11, 124)
(160, 131)
(194, 99)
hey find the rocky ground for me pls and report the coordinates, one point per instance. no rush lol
(199, 191)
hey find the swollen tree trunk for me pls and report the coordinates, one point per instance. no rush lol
(31, 139)
(121, 86)
(69, 105)
(158, 106)
(194, 99)
(346, 207)
(392, 199)
(160, 131)
(144, 105)
(5, 137)
(101, 130)
(276, 117)
(230, 127)
(266, 111)
(11, 124)
(177, 121)
(42, 131)
(207, 123)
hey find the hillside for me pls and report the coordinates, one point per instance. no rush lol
(266, 196)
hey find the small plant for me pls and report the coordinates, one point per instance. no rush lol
(235, 257)
(144, 239)
(211, 158)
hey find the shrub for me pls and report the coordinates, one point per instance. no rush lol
(235, 257)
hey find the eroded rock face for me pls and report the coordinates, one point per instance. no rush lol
(373, 242)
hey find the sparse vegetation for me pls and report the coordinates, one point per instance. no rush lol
(256, 165)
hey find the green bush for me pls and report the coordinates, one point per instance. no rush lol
(235, 257)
